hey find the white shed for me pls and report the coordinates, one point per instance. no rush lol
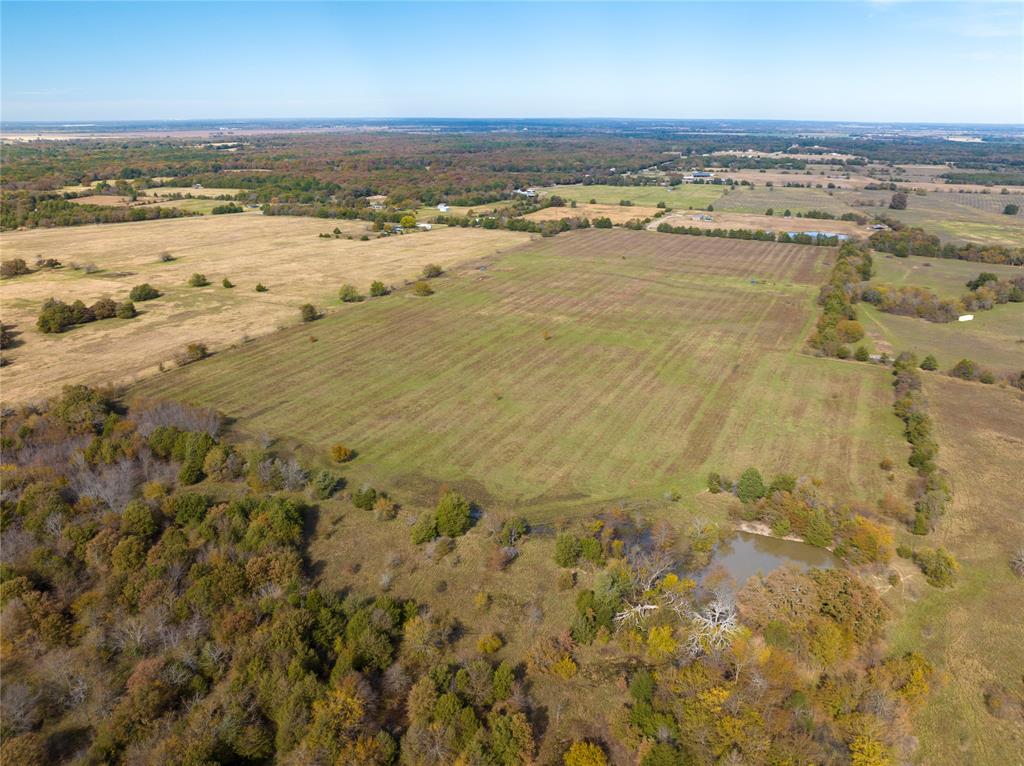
(442, 208)
(966, 318)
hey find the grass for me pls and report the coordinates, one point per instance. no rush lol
(284, 253)
(995, 338)
(945, 277)
(743, 199)
(617, 214)
(570, 373)
(971, 632)
(680, 197)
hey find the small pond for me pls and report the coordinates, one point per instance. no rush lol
(746, 554)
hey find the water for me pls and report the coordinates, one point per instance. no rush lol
(747, 554)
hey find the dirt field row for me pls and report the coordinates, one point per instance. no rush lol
(590, 366)
(285, 254)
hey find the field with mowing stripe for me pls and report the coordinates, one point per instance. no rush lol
(679, 197)
(575, 370)
(284, 253)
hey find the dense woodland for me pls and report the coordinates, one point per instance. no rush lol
(158, 608)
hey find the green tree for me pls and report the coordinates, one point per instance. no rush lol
(1011, 209)
(567, 549)
(453, 515)
(349, 294)
(929, 363)
(750, 487)
(378, 289)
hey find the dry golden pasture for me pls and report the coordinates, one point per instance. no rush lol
(283, 253)
(107, 200)
(765, 222)
(165, 191)
(617, 213)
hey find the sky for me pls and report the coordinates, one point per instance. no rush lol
(881, 61)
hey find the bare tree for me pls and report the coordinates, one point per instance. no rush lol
(714, 626)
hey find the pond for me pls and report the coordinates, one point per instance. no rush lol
(746, 554)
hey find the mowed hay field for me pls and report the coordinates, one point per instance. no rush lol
(617, 213)
(973, 631)
(678, 197)
(283, 253)
(945, 276)
(588, 367)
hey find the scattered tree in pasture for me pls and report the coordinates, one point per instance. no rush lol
(198, 280)
(930, 363)
(422, 289)
(227, 283)
(432, 270)
(898, 201)
(349, 294)
(261, 288)
(144, 292)
(378, 289)
(1011, 209)
(309, 313)
(13, 267)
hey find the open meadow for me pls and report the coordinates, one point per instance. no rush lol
(994, 339)
(570, 372)
(284, 254)
(774, 223)
(972, 632)
(677, 197)
(945, 276)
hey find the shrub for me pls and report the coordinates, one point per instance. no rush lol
(750, 487)
(965, 369)
(166, 257)
(55, 316)
(126, 310)
(714, 483)
(349, 294)
(188, 508)
(489, 643)
(602, 222)
(198, 280)
(378, 289)
(309, 313)
(861, 354)
(341, 454)
(453, 515)
(422, 289)
(929, 363)
(104, 308)
(261, 288)
(987, 377)
(227, 283)
(938, 566)
(425, 529)
(567, 549)
(584, 754)
(591, 550)
(137, 519)
(144, 292)
(432, 270)
(384, 509)
(364, 497)
(1011, 209)
(193, 352)
(323, 485)
(13, 267)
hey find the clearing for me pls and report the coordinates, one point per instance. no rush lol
(945, 276)
(682, 196)
(284, 253)
(572, 371)
(972, 632)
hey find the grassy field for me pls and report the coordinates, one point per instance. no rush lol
(616, 213)
(951, 216)
(165, 191)
(945, 277)
(573, 371)
(994, 338)
(972, 632)
(743, 199)
(679, 197)
(775, 222)
(283, 253)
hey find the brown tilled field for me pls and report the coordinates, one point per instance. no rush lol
(594, 365)
(283, 253)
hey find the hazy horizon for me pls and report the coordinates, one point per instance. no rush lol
(865, 62)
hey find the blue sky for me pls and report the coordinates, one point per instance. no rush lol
(870, 61)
